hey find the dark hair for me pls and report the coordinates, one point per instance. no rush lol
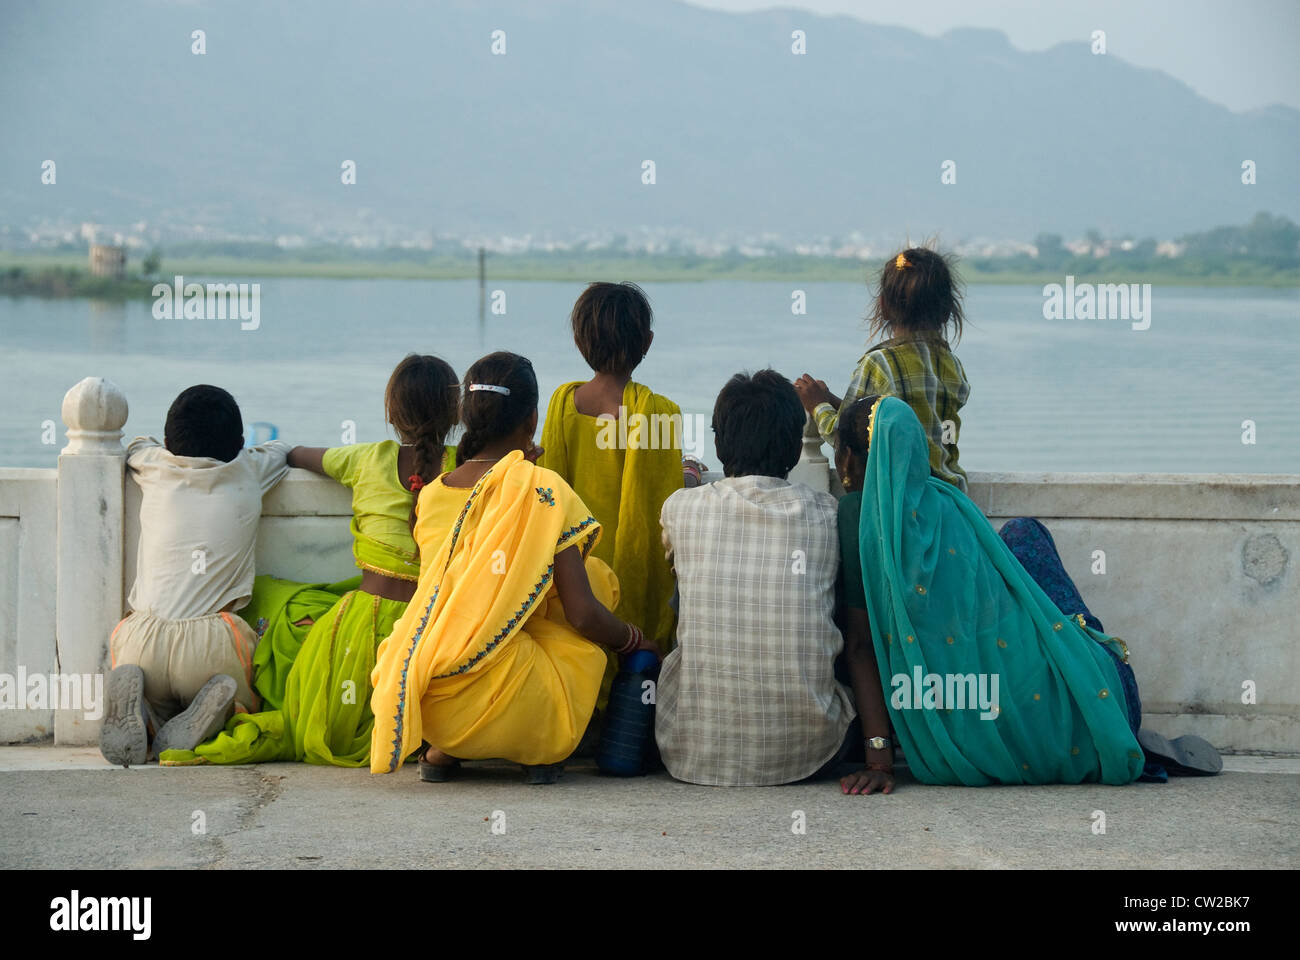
(758, 425)
(204, 421)
(422, 402)
(919, 292)
(611, 326)
(851, 432)
(489, 415)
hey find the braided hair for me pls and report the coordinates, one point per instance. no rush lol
(422, 402)
(488, 415)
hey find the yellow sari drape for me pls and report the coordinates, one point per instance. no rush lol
(483, 664)
(625, 482)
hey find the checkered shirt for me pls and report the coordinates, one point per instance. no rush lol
(749, 696)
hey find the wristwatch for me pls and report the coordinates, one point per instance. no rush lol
(878, 743)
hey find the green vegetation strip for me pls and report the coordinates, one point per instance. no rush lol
(65, 275)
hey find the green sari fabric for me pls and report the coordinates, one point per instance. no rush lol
(947, 599)
(325, 714)
(273, 612)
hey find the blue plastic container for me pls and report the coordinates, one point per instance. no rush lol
(629, 719)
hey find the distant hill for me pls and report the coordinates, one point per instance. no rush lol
(746, 136)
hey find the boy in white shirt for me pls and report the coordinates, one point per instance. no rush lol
(182, 661)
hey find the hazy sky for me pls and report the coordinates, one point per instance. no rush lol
(1240, 53)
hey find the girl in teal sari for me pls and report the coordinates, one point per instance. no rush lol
(981, 676)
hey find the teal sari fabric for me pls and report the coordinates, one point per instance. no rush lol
(951, 607)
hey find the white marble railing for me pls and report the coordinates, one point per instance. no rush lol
(1197, 573)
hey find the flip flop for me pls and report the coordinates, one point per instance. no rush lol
(435, 772)
(202, 720)
(124, 734)
(1187, 756)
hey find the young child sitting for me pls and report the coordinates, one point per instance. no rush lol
(919, 298)
(619, 445)
(182, 661)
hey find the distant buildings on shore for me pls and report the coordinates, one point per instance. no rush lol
(107, 260)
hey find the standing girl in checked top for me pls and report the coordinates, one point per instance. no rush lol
(918, 303)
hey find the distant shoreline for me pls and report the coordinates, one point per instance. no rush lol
(65, 275)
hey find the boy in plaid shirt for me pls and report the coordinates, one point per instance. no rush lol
(749, 695)
(918, 300)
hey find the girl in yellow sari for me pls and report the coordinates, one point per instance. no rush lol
(619, 444)
(499, 654)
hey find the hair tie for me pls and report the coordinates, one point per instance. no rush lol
(415, 482)
(504, 391)
(901, 261)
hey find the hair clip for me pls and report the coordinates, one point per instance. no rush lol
(901, 261)
(504, 391)
(871, 420)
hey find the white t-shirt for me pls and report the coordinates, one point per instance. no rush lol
(198, 525)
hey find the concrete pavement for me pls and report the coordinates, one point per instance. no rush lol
(66, 808)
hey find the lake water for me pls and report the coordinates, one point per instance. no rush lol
(1076, 395)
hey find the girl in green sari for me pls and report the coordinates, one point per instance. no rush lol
(320, 683)
(981, 676)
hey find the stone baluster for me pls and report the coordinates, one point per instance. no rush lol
(89, 599)
(813, 468)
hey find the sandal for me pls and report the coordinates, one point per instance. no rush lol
(1187, 756)
(435, 772)
(543, 772)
